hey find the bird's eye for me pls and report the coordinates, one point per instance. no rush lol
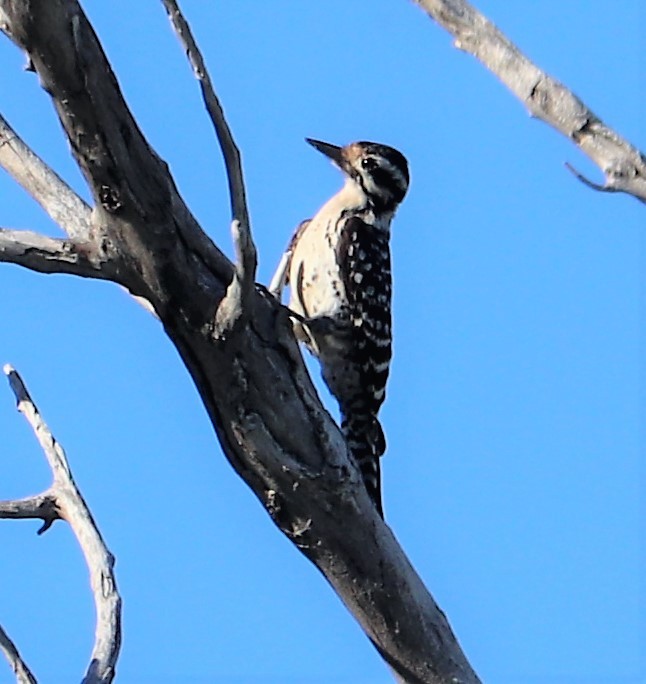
(368, 163)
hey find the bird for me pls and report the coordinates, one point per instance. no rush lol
(338, 269)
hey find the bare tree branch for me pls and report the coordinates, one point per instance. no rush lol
(18, 665)
(50, 255)
(38, 252)
(136, 200)
(233, 306)
(230, 150)
(622, 164)
(53, 194)
(64, 500)
(78, 256)
(40, 507)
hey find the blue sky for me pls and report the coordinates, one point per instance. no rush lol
(515, 413)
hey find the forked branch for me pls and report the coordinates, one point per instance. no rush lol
(63, 500)
(623, 165)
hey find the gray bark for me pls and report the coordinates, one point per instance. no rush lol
(622, 164)
(63, 501)
(18, 665)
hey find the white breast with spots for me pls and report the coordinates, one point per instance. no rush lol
(315, 280)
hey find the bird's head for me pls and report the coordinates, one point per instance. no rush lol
(380, 171)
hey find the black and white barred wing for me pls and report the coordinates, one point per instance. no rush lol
(365, 254)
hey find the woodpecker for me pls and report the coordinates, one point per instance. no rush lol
(338, 268)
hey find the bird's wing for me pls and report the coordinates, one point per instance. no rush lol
(364, 255)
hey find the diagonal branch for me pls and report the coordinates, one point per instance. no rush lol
(235, 302)
(230, 150)
(51, 255)
(622, 164)
(64, 500)
(53, 194)
(18, 665)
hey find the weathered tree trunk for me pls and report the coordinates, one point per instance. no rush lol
(234, 338)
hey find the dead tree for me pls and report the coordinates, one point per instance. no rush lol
(233, 337)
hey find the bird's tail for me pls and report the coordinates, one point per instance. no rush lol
(367, 443)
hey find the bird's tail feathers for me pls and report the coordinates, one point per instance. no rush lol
(367, 442)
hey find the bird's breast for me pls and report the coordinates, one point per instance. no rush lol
(315, 277)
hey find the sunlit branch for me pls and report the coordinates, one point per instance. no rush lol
(18, 665)
(623, 165)
(65, 499)
(53, 194)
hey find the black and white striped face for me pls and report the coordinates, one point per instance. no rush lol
(379, 170)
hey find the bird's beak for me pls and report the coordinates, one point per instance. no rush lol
(333, 152)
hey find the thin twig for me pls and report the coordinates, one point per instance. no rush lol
(587, 181)
(225, 138)
(232, 308)
(622, 164)
(70, 505)
(18, 665)
(53, 194)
